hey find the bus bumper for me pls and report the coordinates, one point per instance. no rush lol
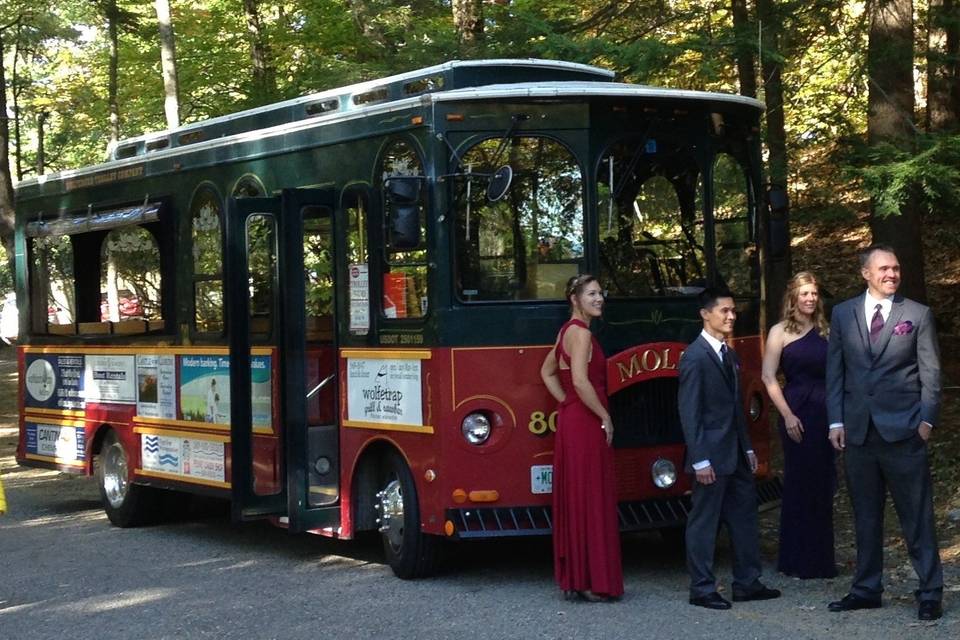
(498, 522)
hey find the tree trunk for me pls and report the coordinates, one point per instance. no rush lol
(890, 121)
(264, 83)
(743, 48)
(943, 66)
(113, 17)
(168, 64)
(7, 215)
(468, 20)
(778, 271)
(41, 155)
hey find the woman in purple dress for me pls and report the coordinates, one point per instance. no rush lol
(797, 346)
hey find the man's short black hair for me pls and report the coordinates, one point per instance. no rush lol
(709, 296)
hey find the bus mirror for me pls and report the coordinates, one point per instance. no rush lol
(404, 226)
(499, 183)
(403, 189)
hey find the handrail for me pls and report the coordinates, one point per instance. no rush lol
(322, 384)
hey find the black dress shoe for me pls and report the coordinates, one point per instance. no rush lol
(929, 610)
(851, 602)
(710, 601)
(763, 593)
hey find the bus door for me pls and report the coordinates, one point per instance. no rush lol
(297, 230)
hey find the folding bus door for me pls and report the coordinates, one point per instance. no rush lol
(299, 225)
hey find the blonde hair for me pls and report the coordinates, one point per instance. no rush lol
(789, 313)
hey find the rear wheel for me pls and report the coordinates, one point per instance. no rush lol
(126, 504)
(409, 552)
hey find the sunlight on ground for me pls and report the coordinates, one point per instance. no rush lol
(60, 519)
(114, 601)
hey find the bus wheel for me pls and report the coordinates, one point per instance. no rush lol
(126, 504)
(410, 552)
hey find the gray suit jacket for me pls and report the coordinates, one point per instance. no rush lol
(895, 382)
(714, 425)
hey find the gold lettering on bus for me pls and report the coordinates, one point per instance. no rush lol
(648, 361)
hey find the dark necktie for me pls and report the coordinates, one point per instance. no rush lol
(876, 324)
(727, 361)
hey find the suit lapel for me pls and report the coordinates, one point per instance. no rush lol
(712, 355)
(860, 319)
(896, 312)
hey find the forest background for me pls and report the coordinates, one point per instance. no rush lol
(862, 123)
(863, 98)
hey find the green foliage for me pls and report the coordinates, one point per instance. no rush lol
(892, 176)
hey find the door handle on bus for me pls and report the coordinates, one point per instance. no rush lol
(322, 384)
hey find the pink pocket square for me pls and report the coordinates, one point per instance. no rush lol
(903, 328)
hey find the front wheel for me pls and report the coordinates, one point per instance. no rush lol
(409, 552)
(126, 504)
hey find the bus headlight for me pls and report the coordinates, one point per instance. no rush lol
(664, 473)
(756, 407)
(476, 428)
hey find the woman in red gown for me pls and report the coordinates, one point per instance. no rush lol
(586, 534)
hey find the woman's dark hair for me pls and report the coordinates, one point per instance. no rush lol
(576, 284)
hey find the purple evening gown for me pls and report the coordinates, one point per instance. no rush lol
(809, 469)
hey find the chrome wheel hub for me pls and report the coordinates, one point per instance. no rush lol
(115, 474)
(390, 506)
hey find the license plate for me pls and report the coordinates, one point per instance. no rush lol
(541, 478)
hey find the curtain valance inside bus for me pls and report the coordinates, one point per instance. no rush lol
(100, 221)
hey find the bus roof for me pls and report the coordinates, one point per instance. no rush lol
(600, 87)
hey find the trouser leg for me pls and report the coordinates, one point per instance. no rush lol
(701, 535)
(907, 470)
(867, 496)
(740, 516)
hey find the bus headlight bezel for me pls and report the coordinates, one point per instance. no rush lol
(476, 428)
(664, 473)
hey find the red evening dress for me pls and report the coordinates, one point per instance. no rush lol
(586, 534)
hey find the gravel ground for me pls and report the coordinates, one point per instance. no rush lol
(68, 573)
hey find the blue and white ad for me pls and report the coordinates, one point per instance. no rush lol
(64, 443)
(157, 386)
(54, 381)
(384, 391)
(205, 389)
(110, 379)
(190, 457)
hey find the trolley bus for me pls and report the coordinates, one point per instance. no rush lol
(332, 310)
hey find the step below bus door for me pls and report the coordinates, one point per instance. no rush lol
(308, 446)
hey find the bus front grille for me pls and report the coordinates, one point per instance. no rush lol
(645, 414)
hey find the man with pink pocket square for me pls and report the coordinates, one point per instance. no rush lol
(883, 398)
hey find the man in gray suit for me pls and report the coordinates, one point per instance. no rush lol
(883, 396)
(720, 455)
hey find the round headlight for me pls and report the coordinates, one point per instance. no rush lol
(664, 473)
(476, 428)
(756, 406)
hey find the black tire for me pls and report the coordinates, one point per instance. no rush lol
(126, 504)
(409, 552)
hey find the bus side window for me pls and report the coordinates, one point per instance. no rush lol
(262, 269)
(404, 214)
(205, 214)
(52, 284)
(732, 224)
(357, 275)
(130, 279)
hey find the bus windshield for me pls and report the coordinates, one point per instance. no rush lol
(651, 220)
(525, 245)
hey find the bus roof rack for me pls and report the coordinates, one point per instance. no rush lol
(456, 74)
